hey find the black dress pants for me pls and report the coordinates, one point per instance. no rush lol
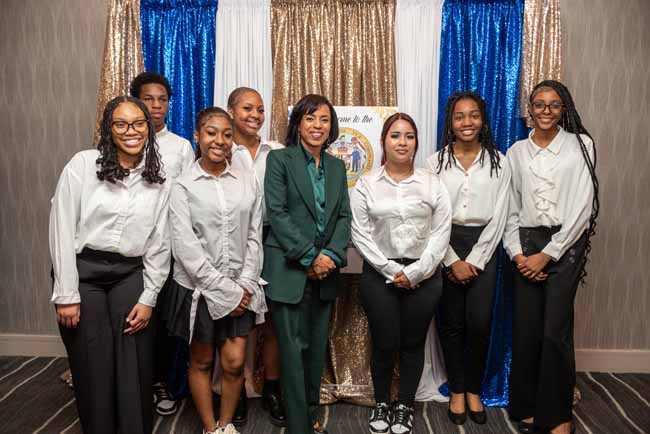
(542, 375)
(465, 317)
(399, 320)
(112, 371)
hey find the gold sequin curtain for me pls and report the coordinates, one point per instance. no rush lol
(541, 57)
(123, 58)
(342, 49)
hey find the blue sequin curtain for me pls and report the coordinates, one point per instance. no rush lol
(481, 51)
(178, 41)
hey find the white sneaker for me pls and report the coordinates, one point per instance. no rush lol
(229, 429)
(165, 406)
(402, 419)
(379, 422)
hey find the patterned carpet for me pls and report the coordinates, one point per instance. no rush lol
(34, 400)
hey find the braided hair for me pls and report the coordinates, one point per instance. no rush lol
(110, 168)
(571, 122)
(484, 136)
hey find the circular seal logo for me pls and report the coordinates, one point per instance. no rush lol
(354, 149)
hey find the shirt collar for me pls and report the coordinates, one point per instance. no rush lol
(383, 174)
(198, 172)
(310, 157)
(162, 133)
(554, 147)
(264, 144)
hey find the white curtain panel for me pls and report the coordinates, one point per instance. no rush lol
(243, 52)
(417, 56)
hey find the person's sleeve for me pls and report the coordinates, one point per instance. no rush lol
(254, 253)
(493, 232)
(438, 242)
(450, 257)
(189, 252)
(511, 240)
(285, 230)
(157, 254)
(362, 238)
(577, 216)
(64, 217)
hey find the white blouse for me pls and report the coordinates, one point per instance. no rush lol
(407, 219)
(479, 197)
(128, 217)
(550, 187)
(176, 153)
(216, 224)
(242, 160)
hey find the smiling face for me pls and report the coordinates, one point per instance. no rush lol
(466, 121)
(248, 114)
(215, 138)
(399, 144)
(546, 109)
(314, 128)
(155, 97)
(129, 129)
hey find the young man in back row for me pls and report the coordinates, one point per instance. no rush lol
(177, 155)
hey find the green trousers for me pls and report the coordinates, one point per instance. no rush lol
(302, 337)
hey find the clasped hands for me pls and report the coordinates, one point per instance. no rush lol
(461, 272)
(322, 266)
(69, 315)
(243, 304)
(531, 266)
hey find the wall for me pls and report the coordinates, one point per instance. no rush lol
(49, 77)
(51, 53)
(607, 68)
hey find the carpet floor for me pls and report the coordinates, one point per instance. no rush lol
(34, 400)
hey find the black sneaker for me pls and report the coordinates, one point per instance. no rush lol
(402, 419)
(379, 422)
(165, 405)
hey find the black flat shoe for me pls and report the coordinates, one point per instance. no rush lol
(272, 403)
(527, 428)
(241, 412)
(456, 418)
(479, 417)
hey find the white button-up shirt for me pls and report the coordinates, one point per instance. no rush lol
(243, 161)
(176, 152)
(550, 187)
(479, 197)
(406, 219)
(128, 217)
(216, 224)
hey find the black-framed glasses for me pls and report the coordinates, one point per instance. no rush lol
(122, 127)
(540, 106)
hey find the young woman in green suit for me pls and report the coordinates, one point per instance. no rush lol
(308, 209)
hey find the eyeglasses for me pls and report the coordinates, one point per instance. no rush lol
(121, 127)
(540, 106)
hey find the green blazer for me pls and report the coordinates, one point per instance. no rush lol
(290, 208)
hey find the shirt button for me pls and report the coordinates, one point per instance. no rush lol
(464, 205)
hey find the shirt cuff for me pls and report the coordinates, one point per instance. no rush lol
(515, 250)
(66, 299)
(308, 257)
(553, 250)
(148, 298)
(450, 257)
(413, 274)
(391, 269)
(476, 259)
(336, 258)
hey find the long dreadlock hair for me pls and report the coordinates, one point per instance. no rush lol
(571, 122)
(110, 168)
(484, 136)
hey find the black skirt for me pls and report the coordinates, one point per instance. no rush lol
(206, 329)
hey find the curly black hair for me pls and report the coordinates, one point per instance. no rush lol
(148, 78)
(110, 169)
(202, 117)
(570, 121)
(485, 137)
(307, 105)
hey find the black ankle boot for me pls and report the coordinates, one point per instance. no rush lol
(272, 402)
(241, 412)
